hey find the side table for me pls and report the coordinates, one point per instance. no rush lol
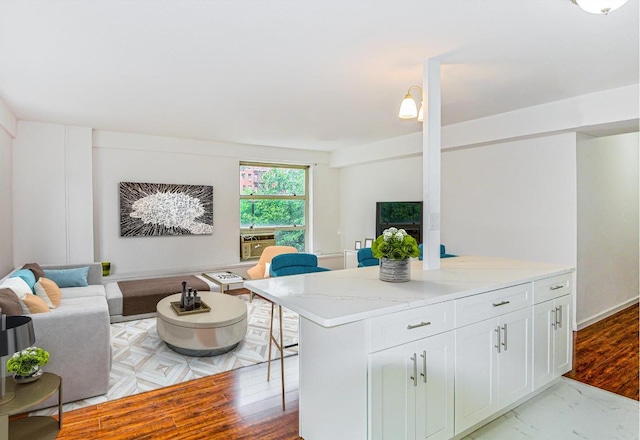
(27, 396)
(223, 279)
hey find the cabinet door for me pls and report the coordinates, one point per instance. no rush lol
(434, 393)
(475, 373)
(563, 352)
(392, 400)
(514, 360)
(543, 343)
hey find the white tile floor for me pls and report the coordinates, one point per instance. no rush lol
(568, 410)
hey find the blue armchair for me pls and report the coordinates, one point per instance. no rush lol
(365, 258)
(443, 252)
(294, 264)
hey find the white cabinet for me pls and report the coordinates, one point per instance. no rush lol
(552, 336)
(412, 390)
(493, 366)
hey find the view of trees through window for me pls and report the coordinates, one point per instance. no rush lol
(273, 198)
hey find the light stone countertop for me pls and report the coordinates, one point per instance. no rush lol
(343, 296)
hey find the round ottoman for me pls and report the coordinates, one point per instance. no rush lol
(203, 334)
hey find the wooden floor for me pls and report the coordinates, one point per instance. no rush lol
(606, 354)
(241, 404)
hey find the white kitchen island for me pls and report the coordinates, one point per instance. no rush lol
(433, 358)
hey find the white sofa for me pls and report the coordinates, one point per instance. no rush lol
(77, 335)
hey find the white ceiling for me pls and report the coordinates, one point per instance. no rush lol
(314, 74)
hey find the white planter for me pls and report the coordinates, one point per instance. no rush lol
(395, 271)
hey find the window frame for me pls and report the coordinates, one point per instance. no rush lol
(256, 230)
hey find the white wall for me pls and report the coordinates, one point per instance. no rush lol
(7, 133)
(6, 213)
(607, 225)
(52, 198)
(512, 200)
(120, 157)
(364, 185)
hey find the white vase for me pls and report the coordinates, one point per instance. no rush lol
(30, 378)
(395, 271)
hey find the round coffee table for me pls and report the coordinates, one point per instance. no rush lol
(203, 334)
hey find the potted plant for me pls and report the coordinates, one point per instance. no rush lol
(394, 247)
(26, 364)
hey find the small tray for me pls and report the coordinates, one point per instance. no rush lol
(204, 308)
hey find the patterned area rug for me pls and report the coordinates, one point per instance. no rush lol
(143, 362)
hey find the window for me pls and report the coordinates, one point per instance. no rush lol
(273, 204)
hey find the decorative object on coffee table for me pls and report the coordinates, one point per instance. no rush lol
(394, 247)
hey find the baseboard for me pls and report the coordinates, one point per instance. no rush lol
(613, 310)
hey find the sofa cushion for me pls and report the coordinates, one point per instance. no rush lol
(17, 285)
(49, 292)
(35, 268)
(35, 304)
(9, 303)
(27, 276)
(76, 277)
(84, 292)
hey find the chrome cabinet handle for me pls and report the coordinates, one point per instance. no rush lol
(424, 366)
(554, 321)
(501, 303)
(559, 316)
(497, 330)
(505, 337)
(414, 378)
(556, 287)
(422, 324)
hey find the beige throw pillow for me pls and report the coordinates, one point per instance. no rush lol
(35, 304)
(49, 291)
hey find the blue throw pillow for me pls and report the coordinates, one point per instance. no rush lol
(68, 277)
(27, 276)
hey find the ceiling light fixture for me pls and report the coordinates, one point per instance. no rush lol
(599, 6)
(409, 108)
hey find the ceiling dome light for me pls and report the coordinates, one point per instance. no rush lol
(599, 6)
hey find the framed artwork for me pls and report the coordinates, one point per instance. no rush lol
(368, 242)
(155, 209)
(358, 245)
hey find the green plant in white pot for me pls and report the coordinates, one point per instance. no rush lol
(26, 364)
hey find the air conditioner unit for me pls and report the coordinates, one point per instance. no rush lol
(252, 245)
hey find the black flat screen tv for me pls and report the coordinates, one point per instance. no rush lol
(402, 215)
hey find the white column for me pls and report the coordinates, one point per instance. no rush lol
(431, 146)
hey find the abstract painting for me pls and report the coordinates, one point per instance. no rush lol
(148, 209)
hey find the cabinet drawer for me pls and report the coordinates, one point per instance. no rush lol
(409, 325)
(491, 304)
(550, 288)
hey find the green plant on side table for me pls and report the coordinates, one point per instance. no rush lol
(26, 364)
(394, 247)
